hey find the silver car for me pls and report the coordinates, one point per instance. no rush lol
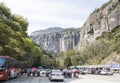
(56, 75)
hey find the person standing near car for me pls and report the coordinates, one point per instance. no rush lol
(65, 72)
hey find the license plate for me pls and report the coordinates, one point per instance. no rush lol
(57, 75)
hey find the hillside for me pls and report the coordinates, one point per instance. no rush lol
(56, 39)
(15, 43)
(46, 31)
(99, 38)
(98, 42)
(101, 20)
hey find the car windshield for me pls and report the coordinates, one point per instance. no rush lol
(2, 61)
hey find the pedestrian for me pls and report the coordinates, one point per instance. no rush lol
(74, 72)
(65, 72)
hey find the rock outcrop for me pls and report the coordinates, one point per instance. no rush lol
(100, 21)
(56, 39)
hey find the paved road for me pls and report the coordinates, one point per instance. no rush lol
(98, 79)
(31, 79)
(81, 79)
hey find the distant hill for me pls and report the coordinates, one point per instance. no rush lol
(56, 39)
(46, 31)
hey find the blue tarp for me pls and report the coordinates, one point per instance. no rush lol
(115, 66)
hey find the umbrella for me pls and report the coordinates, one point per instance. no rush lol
(34, 69)
(74, 70)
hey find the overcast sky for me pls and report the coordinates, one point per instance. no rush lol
(42, 14)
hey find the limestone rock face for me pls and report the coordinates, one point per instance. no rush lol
(100, 21)
(56, 39)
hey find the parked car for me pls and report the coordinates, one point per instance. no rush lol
(37, 73)
(43, 71)
(48, 71)
(106, 73)
(81, 72)
(56, 75)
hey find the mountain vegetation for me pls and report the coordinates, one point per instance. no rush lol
(105, 49)
(99, 39)
(47, 31)
(14, 41)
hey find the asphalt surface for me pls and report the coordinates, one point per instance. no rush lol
(34, 79)
(81, 79)
(98, 79)
(26, 79)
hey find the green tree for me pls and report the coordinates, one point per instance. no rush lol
(67, 62)
(14, 41)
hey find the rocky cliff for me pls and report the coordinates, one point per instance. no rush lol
(100, 21)
(56, 39)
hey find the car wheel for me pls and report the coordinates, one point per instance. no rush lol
(51, 80)
(62, 80)
(8, 77)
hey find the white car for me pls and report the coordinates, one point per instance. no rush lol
(56, 75)
(43, 71)
(106, 73)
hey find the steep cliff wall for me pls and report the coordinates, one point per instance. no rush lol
(56, 39)
(100, 21)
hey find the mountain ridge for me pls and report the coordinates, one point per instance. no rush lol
(56, 39)
(102, 20)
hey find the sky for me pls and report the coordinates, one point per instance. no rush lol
(42, 14)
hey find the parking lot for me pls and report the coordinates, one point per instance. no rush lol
(99, 79)
(81, 79)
